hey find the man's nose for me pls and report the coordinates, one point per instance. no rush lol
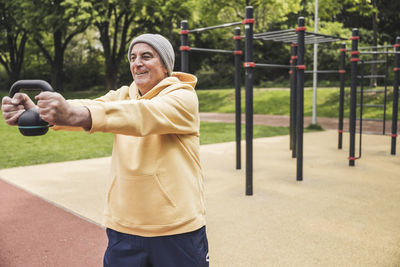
(137, 62)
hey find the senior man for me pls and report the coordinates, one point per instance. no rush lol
(154, 211)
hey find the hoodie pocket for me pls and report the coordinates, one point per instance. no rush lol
(141, 200)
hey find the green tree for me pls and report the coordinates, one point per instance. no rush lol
(12, 45)
(52, 25)
(389, 20)
(118, 21)
(267, 13)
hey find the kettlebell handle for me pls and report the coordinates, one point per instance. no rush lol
(30, 84)
(30, 123)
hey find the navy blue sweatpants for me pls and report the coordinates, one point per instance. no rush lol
(186, 250)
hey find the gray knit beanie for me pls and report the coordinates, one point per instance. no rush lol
(161, 45)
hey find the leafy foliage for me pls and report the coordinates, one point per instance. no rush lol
(52, 25)
(38, 45)
(12, 46)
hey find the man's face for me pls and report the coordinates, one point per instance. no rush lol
(146, 67)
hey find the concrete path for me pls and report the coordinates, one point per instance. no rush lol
(337, 216)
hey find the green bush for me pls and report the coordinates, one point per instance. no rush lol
(209, 78)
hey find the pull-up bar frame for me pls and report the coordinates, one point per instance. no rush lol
(185, 48)
(290, 36)
(297, 68)
(216, 27)
(211, 50)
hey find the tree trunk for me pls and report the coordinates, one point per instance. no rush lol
(16, 50)
(57, 78)
(57, 70)
(14, 75)
(111, 76)
(20, 55)
(114, 41)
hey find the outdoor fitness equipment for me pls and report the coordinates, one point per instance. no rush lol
(30, 123)
(248, 65)
(298, 37)
(375, 76)
(185, 48)
(341, 73)
(386, 53)
(396, 70)
(291, 36)
(353, 95)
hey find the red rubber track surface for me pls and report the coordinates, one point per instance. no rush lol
(34, 232)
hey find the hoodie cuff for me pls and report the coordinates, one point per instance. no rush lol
(98, 114)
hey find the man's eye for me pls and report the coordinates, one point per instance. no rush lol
(146, 57)
(133, 59)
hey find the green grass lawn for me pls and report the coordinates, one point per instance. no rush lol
(211, 133)
(57, 146)
(277, 102)
(19, 150)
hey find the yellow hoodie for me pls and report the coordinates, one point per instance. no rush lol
(156, 185)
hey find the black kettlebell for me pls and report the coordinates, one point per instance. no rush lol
(30, 123)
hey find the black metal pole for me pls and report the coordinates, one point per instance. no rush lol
(353, 95)
(184, 46)
(249, 66)
(293, 99)
(361, 110)
(385, 95)
(396, 78)
(238, 86)
(300, 97)
(342, 72)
